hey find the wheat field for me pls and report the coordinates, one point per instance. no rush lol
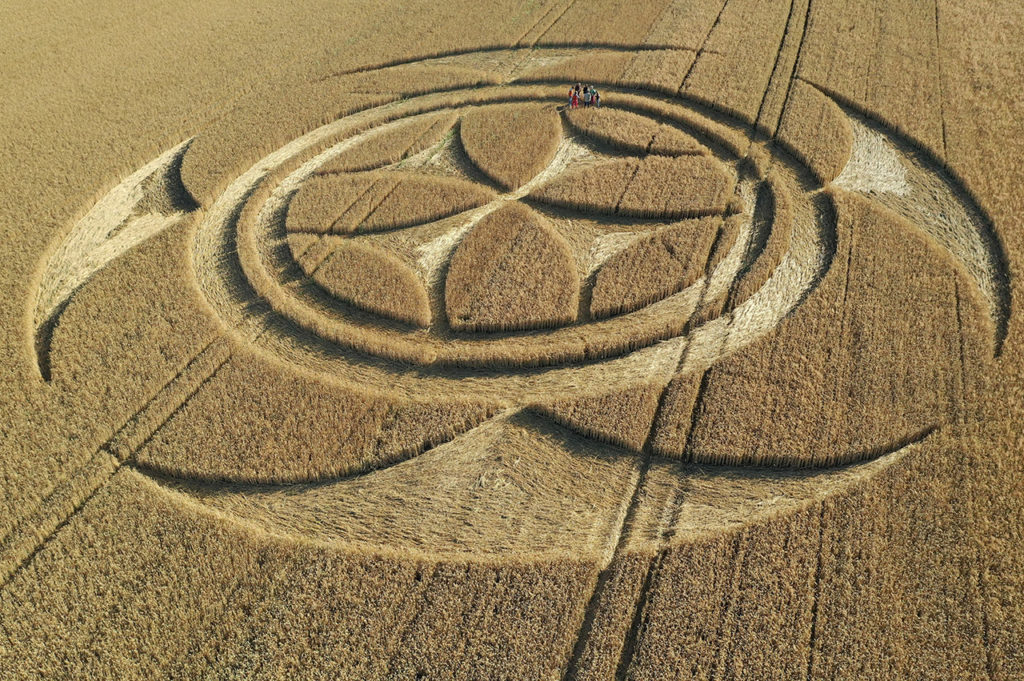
(337, 343)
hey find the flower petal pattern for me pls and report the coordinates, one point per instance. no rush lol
(374, 280)
(654, 267)
(377, 201)
(653, 187)
(633, 133)
(512, 271)
(394, 143)
(535, 131)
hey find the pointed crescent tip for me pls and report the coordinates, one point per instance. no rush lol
(976, 233)
(112, 226)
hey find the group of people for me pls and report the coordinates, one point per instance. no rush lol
(589, 96)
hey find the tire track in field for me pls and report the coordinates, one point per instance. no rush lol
(961, 402)
(38, 528)
(812, 641)
(552, 24)
(799, 53)
(698, 403)
(622, 537)
(938, 78)
(416, 611)
(521, 40)
(836, 353)
(366, 190)
(606, 573)
(986, 627)
(775, 80)
(628, 650)
(374, 206)
(705, 378)
(625, 188)
(778, 60)
(27, 538)
(638, 624)
(728, 603)
(703, 47)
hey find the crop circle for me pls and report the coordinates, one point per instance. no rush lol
(373, 290)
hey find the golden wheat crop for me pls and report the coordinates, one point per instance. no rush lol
(653, 187)
(600, 67)
(633, 133)
(404, 140)
(511, 272)
(660, 70)
(912, 99)
(705, 128)
(284, 110)
(858, 407)
(721, 380)
(816, 130)
(511, 143)
(314, 254)
(376, 281)
(622, 418)
(655, 267)
(276, 588)
(734, 74)
(368, 202)
(355, 429)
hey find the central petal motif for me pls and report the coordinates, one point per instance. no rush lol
(506, 218)
(512, 271)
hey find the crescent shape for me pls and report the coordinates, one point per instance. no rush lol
(554, 474)
(141, 206)
(901, 174)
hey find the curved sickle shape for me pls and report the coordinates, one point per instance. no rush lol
(144, 204)
(906, 178)
(470, 517)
